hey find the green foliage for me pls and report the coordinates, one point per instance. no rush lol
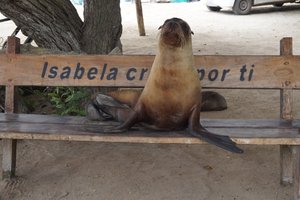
(69, 100)
(63, 100)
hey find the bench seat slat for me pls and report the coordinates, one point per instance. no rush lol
(269, 136)
(14, 126)
(54, 119)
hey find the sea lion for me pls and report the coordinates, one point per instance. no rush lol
(171, 98)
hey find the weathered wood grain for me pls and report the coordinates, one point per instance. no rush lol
(23, 126)
(210, 123)
(286, 113)
(132, 71)
(286, 93)
(140, 17)
(129, 138)
(286, 165)
(296, 150)
(13, 45)
(286, 46)
(9, 147)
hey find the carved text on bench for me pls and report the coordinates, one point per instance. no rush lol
(133, 73)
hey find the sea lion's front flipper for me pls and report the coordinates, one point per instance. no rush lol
(133, 117)
(197, 130)
(131, 120)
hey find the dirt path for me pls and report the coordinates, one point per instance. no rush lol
(93, 171)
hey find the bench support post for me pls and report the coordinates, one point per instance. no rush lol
(140, 17)
(296, 152)
(9, 146)
(286, 165)
(9, 158)
(286, 154)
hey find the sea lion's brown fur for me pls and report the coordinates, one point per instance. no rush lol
(171, 99)
(211, 101)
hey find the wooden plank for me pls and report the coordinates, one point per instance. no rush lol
(257, 72)
(13, 45)
(9, 156)
(9, 98)
(51, 119)
(146, 139)
(296, 150)
(13, 48)
(286, 105)
(209, 123)
(140, 17)
(286, 46)
(9, 146)
(286, 94)
(132, 71)
(286, 165)
(95, 130)
(92, 132)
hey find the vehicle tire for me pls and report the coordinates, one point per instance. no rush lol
(214, 8)
(242, 7)
(278, 5)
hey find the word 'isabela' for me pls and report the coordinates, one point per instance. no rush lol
(79, 72)
(132, 73)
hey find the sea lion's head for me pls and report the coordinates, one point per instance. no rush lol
(175, 32)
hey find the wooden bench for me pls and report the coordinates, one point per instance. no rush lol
(222, 72)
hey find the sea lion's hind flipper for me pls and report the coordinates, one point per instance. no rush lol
(221, 141)
(95, 114)
(103, 100)
(197, 130)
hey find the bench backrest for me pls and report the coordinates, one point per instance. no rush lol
(246, 71)
(243, 71)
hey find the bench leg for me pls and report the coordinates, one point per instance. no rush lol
(290, 167)
(9, 158)
(296, 151)
(286, 165)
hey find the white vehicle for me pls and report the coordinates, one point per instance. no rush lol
(243, 7)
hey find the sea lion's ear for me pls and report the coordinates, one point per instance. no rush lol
(192, 32)
(159, 27)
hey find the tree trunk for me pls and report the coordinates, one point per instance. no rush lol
(53, 24)
(102, 27)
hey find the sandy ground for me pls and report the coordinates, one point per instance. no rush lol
(93, 171)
